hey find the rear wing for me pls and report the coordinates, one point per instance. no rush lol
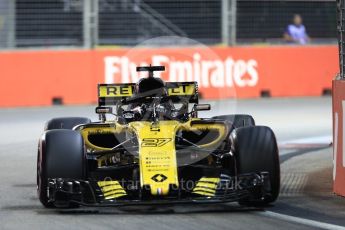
(111, 94)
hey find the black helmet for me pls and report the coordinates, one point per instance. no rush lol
(151, 86)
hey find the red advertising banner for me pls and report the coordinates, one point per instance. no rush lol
(35, 78)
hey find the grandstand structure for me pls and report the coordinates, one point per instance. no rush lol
(93, 23)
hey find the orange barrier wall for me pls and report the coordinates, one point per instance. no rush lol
(338, 137)
(33, 78)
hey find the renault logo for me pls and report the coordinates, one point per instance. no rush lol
(159, 178)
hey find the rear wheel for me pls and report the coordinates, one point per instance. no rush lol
(66, 122)
(256, 151)
(60, 155)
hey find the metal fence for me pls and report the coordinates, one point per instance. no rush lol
(341, 36)
(92, 23)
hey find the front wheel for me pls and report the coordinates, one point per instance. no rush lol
(65, 122)
(60, 155)
(256, 151)
(237, 120)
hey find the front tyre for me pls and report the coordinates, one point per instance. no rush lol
(256, 151)
(237, 120)
(65, 122)
(60, 155)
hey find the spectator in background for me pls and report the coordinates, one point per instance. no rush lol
(296, 32)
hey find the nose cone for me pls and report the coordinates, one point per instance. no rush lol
(157, 155)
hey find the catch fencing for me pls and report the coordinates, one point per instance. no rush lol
(93, 23)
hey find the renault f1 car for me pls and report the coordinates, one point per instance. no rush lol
(150, 147)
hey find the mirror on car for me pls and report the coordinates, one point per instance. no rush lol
(202, 107)
(104, 110)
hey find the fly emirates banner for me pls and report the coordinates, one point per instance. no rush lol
(36, 78)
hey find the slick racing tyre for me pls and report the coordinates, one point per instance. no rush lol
(60, 155)
(237, 120)
(65, 122)
(255, 149)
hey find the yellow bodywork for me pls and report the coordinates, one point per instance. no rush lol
(206, 186)
(157, 158)
(157, 153)
(115, 91)
(126, 90)
(111, 189)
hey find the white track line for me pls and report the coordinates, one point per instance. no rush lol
(310, 140)
(298, 220)
(305, 143)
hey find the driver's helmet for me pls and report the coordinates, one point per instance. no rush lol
(151, 86)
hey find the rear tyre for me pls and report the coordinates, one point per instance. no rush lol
(60, 155)
(66, 122)
(255, 149)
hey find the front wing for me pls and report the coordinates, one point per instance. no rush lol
(62, 192)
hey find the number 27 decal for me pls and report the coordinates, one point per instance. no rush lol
(155, 142)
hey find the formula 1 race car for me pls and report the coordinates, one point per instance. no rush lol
(150, 147)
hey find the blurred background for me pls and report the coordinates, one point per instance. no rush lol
(232, 48)
(94, 23)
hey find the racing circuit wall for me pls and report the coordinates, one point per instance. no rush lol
(37, 78)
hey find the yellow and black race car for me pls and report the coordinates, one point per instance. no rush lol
(150, 147)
